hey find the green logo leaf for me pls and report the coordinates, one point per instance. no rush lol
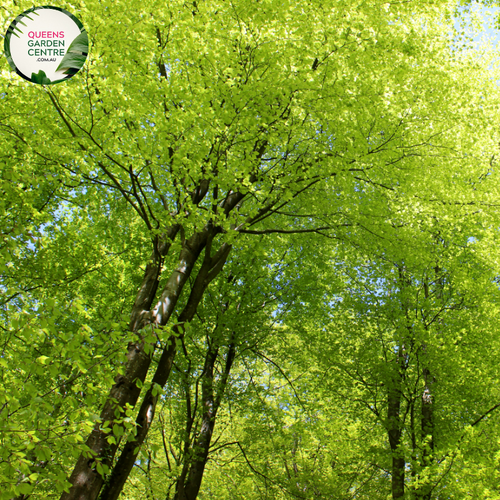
(75, 57)
(40, 78)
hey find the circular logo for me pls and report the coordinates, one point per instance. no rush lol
(46, 45)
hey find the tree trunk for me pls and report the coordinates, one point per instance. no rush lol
(394, 398)
(211, 266)
(189, 483)
(86, 481)
(427, 428)
(427, 410)
(394, 431)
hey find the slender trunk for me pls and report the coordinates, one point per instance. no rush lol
(394, 431)
(427, 409)
(86, 481)
(414, 452)
(394, 399)
(189, 483)
(427, 433)
(211, 266)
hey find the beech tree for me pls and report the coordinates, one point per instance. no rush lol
(415, 339)
(198, 139)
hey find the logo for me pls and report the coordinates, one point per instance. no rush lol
(46, 45)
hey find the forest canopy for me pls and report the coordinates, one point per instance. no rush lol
(250, 251)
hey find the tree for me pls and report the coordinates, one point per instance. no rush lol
(192, 129)
(406, 345)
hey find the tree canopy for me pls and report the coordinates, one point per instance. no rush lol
(249, 251)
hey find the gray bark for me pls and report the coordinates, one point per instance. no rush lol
(189, 483)
(395, 431)
(86, 481)
(211, 266)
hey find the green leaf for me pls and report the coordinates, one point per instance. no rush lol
(76, 55)
(43, 359)
(40, 78)
(72, 61)
(80, 43)
(118, 430)
(25, 488)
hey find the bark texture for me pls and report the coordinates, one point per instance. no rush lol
(86, 481)
(395, 432)
(210, 267)
(189, 482)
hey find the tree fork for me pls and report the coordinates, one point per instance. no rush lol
(86, 481)
(210, 267)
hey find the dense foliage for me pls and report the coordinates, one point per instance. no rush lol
(250, 251)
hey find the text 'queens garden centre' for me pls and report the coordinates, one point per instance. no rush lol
(50, 43)
(46, 45)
